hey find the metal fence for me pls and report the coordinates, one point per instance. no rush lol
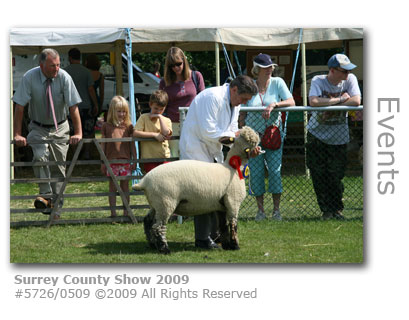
(294, 178)
(306, 178)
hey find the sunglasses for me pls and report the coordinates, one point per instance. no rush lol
(177, 64)
(343, 70)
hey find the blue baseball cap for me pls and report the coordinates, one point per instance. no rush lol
(340, 61)
(263, 61)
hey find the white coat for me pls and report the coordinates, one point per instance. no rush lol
(209, 118)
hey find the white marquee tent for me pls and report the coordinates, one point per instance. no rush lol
(33, 40)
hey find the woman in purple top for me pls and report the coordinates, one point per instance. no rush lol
(182, 85)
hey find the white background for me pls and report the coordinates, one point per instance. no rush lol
(378, 288)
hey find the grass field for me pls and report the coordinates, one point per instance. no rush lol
(301, 241)
(300, 238)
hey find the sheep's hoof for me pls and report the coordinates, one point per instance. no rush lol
(164, 250)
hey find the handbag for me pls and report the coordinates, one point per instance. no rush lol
(271, 138)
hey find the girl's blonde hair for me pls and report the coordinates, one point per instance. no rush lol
(118, 103)
(175, 54)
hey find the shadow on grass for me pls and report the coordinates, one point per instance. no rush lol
(138, 247)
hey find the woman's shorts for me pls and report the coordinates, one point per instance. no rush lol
(120, 169)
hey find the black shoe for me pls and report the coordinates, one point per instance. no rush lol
(327, 215)
(338, 215)
(206, 244)
(43, 203)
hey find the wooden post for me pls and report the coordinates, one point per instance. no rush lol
(64, 185)
(118, 67)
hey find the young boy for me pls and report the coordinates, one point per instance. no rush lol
(154, 125)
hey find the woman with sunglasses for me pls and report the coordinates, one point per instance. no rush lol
(182, 85)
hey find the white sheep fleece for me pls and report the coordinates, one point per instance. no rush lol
(195, 187)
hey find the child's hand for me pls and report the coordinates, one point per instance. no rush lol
(160, 137)
(133, 166)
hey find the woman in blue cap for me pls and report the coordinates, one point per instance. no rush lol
(273, 93)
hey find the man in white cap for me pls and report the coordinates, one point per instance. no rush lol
(328, 133)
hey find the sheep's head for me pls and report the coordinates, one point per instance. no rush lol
(244, 144)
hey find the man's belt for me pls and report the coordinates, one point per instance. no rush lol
(46, 125)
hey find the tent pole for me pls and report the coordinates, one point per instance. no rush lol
(216, 55)
(11, 115)
(305, 100)
(118, 67)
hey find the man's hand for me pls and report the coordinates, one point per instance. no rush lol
(20, 140)
(345, 96)
(75, 139)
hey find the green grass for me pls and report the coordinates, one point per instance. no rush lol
(301, 241)
(300, 238)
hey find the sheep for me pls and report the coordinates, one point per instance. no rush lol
(191, 187)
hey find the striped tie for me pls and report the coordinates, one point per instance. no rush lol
(50, 103)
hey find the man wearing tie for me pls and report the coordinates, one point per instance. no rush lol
(50, 94)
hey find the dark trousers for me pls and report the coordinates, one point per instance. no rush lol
(327, 164)
(206, 225)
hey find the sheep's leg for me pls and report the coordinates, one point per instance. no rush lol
(234, 239)
(148, 222)
(230, 240)
(158, 232)
(163, 211)
(232, 203)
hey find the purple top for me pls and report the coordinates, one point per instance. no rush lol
(181, 94)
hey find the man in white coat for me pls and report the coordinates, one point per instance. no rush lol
(213, 117)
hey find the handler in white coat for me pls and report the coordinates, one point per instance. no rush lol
(213, 117)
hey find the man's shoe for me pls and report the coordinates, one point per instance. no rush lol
(43, 203)
(260, 216)
(327, 215)
(206, 244)
(338, 215)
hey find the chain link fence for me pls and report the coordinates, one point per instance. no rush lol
(306, 177)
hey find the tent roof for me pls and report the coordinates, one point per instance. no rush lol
(32, 40)
(238, 38)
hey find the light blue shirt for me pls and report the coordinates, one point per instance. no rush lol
(276, 91)
(32, 91)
